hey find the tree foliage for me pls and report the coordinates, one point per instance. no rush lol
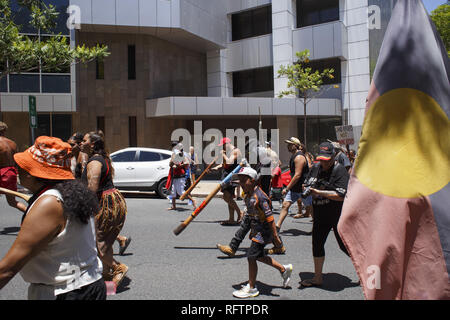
(441, 18)
(23, 53)
(304, 81)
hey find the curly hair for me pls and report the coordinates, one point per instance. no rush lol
(78, 201)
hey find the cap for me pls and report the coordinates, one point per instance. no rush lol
(294, 141)
(49, 158)
(326, 151)
(224, 141)
(247, 171)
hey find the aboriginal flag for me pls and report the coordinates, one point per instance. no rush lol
(395, 220)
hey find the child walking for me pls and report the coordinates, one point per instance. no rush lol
(262, 232)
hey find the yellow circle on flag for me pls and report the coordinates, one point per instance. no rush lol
(405, 145)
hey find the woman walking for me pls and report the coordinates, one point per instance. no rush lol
(113, 209)
(55, 250)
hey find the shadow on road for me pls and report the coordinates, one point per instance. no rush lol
(331, 281)
(124, 285)
(10, 231)
(295, 232)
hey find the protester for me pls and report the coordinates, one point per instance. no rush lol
(79, 159)
(8, 172)
(231, 157)
(263, 231)
(328, 193)
(299, 170)
(276, 185)
(305, 203)
(194, 163)
(55, 250)
(179, 164)
(98, 175)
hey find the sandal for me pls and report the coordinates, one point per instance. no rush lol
(310, 283)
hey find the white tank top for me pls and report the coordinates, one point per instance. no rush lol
(69, 261)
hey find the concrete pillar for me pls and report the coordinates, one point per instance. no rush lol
(220, 83)
(288, 127)
(283, 22)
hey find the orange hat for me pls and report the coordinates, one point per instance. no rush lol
(49, 158)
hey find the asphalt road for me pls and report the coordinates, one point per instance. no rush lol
(163, 266)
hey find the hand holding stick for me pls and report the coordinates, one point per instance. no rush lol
(194, 184)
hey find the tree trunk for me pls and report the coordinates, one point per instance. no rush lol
(304, 121)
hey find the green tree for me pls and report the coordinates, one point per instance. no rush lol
(23, 53)
(303, 81)
(441, 18)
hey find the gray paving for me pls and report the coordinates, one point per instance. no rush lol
(189, 267)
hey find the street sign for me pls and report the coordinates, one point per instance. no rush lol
(344, 135)
(32, 111)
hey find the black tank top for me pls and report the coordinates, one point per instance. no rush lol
(106, 181)
(298, 186)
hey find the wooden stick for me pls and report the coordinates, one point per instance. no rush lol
(14, 193)
(211, 195)
(194, 184)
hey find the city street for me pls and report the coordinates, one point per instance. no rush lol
(163, 266)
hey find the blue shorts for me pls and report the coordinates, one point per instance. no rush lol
(294, 196)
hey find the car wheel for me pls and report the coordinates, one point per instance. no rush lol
(161, 189)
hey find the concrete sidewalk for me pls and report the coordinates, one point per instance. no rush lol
(204, 188)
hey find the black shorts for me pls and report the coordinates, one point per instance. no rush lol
(256, 250)
(93, 291)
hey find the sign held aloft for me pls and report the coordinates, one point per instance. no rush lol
(344, 135)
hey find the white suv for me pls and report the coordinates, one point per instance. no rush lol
(141, 169)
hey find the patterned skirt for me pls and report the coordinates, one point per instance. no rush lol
(109, 222)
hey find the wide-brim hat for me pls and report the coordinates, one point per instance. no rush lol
(49, 158)
(294, 141)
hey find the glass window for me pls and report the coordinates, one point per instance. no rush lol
(323, 64)
(132, 131)
(149, 156)
(24, 83)
(164, 156)
(318, 130)
(126, 156)
(62, 126)
(131, 62)
(56, 83)
(61, 8)
(255, 80)
(251, 23)
(43, 125)
(21, 17)
(3, 84)
(311, 12)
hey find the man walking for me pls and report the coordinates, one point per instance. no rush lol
(8, 172)
(299, 170)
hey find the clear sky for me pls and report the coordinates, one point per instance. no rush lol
(433, 4)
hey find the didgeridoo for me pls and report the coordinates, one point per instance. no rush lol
(194, 184)
(14, 193)
(211, 195)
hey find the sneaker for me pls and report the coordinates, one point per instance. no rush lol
(286, 275)
(124, 245)
(119, 274)
(226, 249)
(246, 292)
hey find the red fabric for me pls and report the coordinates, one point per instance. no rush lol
(8, 178)
(169, 180)
(276, 180)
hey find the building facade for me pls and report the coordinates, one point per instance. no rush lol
(174, 62)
